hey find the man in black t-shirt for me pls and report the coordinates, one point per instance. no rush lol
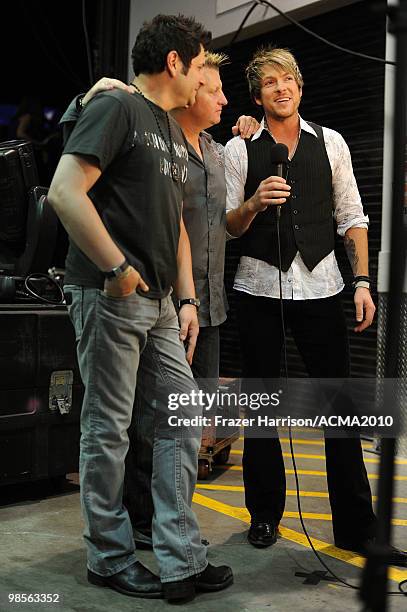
(118, 192)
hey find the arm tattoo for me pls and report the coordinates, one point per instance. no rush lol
(350, 248)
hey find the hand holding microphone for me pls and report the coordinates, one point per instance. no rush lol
(279, 156)
(273, 191)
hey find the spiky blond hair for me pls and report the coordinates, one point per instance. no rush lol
(280, 59)
(215, 60)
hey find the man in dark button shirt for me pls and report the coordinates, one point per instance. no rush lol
(204, 215)
(118, 191)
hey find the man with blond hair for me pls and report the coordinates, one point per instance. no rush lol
(204, 215)
(320, 183)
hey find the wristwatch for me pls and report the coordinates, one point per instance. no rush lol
(193, 301)
(115, 272)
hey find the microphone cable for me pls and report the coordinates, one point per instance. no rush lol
(297, 483)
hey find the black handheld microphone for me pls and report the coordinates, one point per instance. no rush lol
(279, 157)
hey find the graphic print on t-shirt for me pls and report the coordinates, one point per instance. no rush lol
(152, 139)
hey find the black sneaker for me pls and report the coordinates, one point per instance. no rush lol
(262, 535)
(211, 579)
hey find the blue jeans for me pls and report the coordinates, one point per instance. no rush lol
(120, 340)
(137, 483)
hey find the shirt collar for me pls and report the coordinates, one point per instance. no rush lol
(205, 140)
(303, 126)
(205, 136)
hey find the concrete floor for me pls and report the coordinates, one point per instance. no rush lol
(42, 550)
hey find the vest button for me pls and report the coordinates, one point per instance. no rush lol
(296, 227)
(295, 212)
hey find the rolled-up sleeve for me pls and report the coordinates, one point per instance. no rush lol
(236, 172)
(348, 209)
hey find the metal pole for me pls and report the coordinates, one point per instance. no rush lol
(374, 582)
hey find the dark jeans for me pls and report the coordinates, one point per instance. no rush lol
(137, 485)
(320, 333)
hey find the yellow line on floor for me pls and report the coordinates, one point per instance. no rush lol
(308, 442)
(317, 441)
(238, 468)
(323, 494)
(283, 430)
(322, 457)
(328, 517)
(311, 442)
(294, 536)
(240, 489)
(211, 487)
(308, 515)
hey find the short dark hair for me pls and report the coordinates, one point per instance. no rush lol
(167, 33)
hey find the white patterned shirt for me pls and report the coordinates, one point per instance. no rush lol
(260, 278)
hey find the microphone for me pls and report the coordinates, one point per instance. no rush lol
(279, 157)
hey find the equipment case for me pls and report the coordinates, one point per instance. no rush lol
(40, 393)
(214, 449)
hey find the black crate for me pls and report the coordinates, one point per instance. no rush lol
(37, 439)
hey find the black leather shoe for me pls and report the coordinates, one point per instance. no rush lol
(211, 579)
(262, 535)
(395, 556)
(135, 581)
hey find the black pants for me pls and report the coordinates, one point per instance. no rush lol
(319, 330)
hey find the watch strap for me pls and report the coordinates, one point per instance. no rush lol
(115, 272)
(191, 301)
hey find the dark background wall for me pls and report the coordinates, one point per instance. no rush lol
(345, 93)
(44, 51)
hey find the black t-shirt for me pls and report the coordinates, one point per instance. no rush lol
(135, 196)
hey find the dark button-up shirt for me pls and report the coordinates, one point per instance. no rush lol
(205, 221)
